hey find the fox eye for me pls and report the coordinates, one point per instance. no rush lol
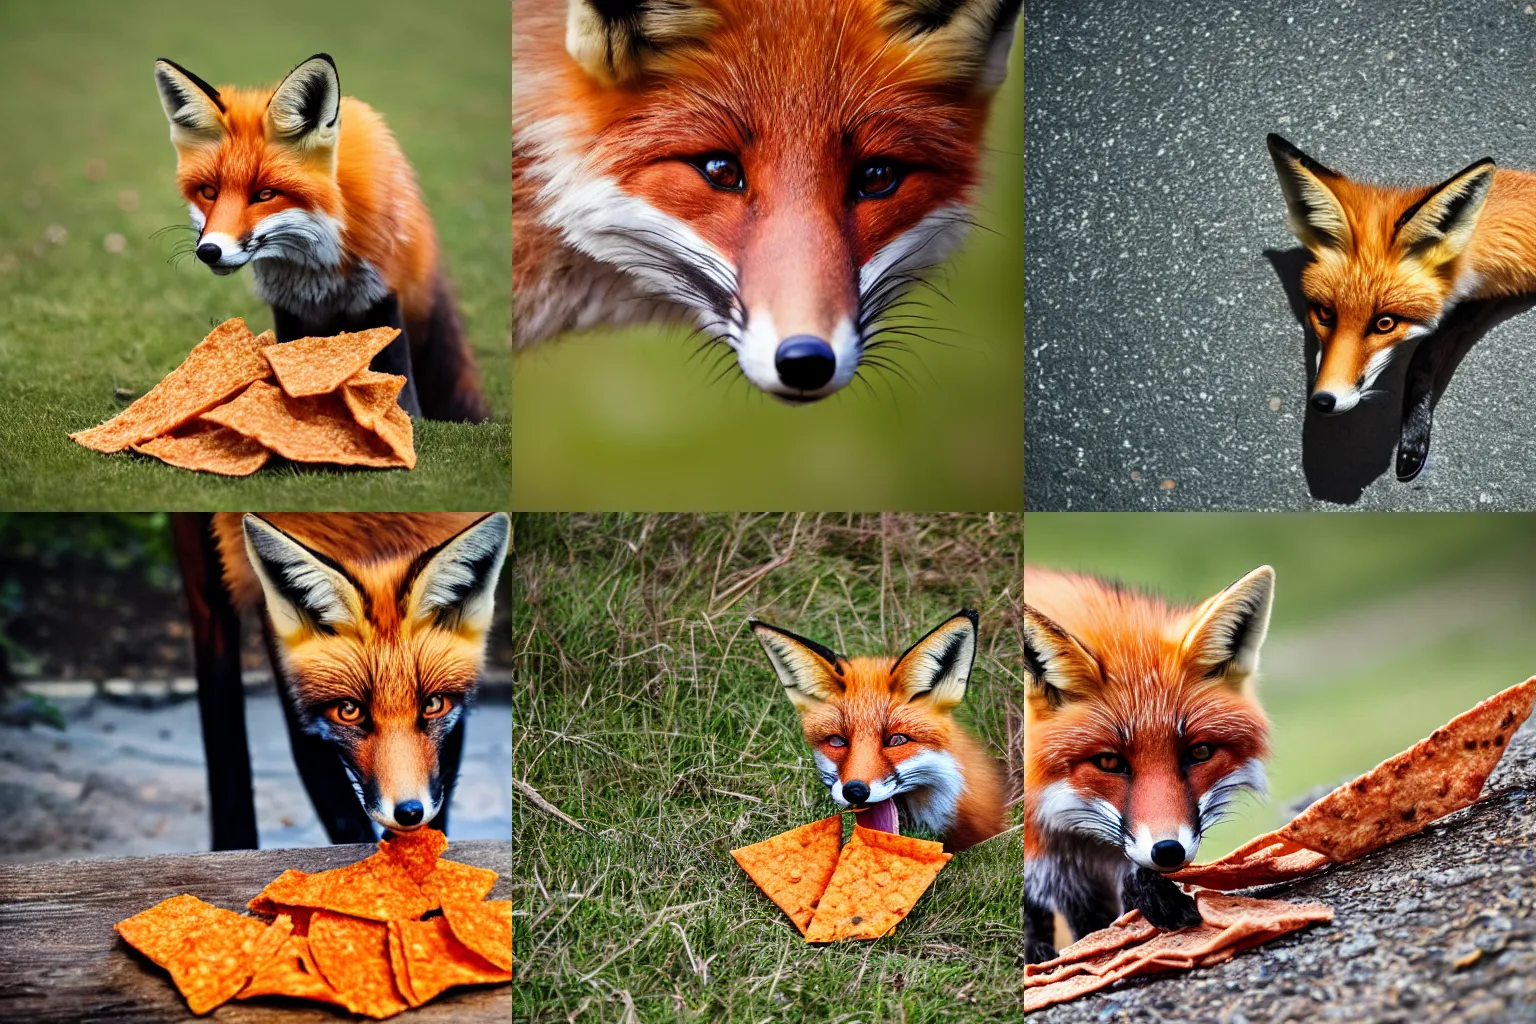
(1201, 752)
(1324, 314)
(897, 739)
(1385, 324)
(723, 171)
(208, 192)
(265, 195)
(876, 179)
(436, 706)
(1112, 763)
(347, 712)
(835, 741)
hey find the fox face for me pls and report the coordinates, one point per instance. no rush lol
(1141, 725)
(782, 171)
(382, 658)
(882, 727)
(1387, 264)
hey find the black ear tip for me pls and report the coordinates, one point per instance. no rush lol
(325, 57)
(970, 613)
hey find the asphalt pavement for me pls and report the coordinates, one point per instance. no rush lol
(1166, 366)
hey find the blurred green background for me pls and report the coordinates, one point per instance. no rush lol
(88, 301)
(1385, 625)
(626, 419)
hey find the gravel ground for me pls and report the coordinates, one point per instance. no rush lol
(1439, 927)
(125, 780)
(1165, 366)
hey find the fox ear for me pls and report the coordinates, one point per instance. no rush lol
(938, 666)
(1227, 630)
(616, 41)
(810, 672)
(455, 583)
(1058, 668)
(1438, 227)
(1313, 212)
(304, 589)
(305, 108)
(971, 38)
(191, 105)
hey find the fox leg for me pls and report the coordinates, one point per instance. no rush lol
(1039, 932)
(1160, 901)
(1089, 906)
(396, 357)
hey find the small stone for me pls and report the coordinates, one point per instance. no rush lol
(1354, 947)
(1136, 474)
(1274, 405)
(1407, 906)
(1166, 485)
(1468, 958)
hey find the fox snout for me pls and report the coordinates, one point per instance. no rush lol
(1164, 850)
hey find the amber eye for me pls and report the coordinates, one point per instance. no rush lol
(723, 171)
(347, 712)
(436, 706)
(897, 739)
(1112, 763)
(265, 195)
(208, 192)
(1201, 752)
(1385, 324)
(876, 179)
(1324, 314)
(835, 741)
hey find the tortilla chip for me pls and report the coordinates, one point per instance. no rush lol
(415, 852)
(1065, 990)
(878, 880)
(436, 961)
(270, 899)
(353, 958)
(291, 971)
(794, 867)
(376, 888)
(1442, 773)
(318, 429)
(373, 400)
(398, 964)
(318, 366)
(210, 952)
(1275, 860)
(224, 362)
(452, 882)
(485, 928)
(208, 447)
(1127, 930)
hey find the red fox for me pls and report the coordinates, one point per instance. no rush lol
(882, 731)
(1389, 262)
(311, 189)
(1141, 728)
(376, 626)
(779, 172)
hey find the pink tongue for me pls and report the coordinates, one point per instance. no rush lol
(879, 816)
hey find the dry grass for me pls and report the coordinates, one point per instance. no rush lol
(650, 738)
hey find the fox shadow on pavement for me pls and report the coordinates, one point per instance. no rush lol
(1342, 455)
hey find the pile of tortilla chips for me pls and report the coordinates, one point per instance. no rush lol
(221, 412)
(1442, 773)
(833, 892)
(355, 937)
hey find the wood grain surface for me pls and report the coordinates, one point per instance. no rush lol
(60, 960)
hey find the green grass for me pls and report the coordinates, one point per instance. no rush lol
(1385, 626)
(646, 711)
(87, 155)
(626, 419)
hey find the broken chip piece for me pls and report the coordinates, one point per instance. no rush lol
(794, 867)
(878, 880)
(485, 928)
(318, 366)
(435, 960)
(210, 952)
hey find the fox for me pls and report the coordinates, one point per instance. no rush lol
(376, 629)
(777, 172)
(312, 190)
(1141, 728)
(883, 734)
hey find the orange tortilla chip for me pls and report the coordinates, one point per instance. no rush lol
(353, 958)
(318, 429)
(376, 888)
(436, 961)
(228, 359)
(794, 867)
(878, 880)
(210, 952)
(208, 447)
(452, 882)
(318, 366)
(271, 899)
(1276, 860)
(397, 964)
(416, 852)
(290, 972)
(485, 928)
(1127, 930)
(373, 400)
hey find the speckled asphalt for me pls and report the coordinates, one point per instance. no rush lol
(1165, 367)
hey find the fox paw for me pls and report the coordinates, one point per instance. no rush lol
(1038, 951)
(1160, 901)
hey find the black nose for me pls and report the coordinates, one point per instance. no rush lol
(805, 362)
(1323, 401)
(408, 812)
(209, 253)
(1167, 854)
(855, 792)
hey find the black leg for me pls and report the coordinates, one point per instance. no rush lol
(1419, 395)
(1089, 909)
(1039, 932)
(1162, 902)
(448, 760)
(290, 327)
(220, 693)
(325, 778)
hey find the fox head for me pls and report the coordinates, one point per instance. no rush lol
(382, 657)
(1144, 729)
(258, 166)
(783, 171)
(881, 727)
(1387, 263)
